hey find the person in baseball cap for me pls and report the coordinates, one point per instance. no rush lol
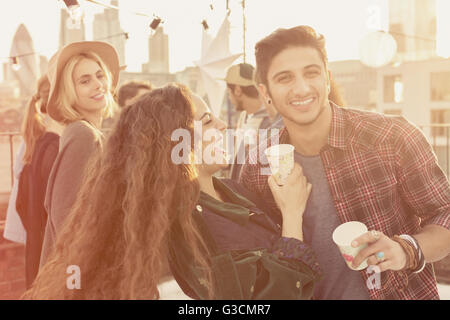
(255, 114)
(240, 74)
(241, 88)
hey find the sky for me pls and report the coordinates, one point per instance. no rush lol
(342, 22)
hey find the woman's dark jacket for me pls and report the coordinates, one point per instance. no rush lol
(30, 199)
(249, 258)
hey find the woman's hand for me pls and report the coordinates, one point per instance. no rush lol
(291, 198)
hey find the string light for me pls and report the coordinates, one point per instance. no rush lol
(155, 23)
(75, 11)
(125, 34)
(205, 25)
(70, 3)
(117, 8)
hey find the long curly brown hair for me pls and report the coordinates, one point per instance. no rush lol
(132, 195)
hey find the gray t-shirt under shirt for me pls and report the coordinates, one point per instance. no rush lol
(319, 221)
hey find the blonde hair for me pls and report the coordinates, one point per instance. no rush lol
(33, 126)
(66, 95)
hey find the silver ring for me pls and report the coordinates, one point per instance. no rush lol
(375, 234)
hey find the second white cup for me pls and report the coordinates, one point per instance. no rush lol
(343, 236)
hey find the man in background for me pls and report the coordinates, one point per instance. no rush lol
(255, 113)
(131, 91)
(128, 94)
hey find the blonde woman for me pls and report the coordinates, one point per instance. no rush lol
(82, 77)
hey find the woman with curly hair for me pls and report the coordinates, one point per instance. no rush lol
(131, 196)
(139, 205)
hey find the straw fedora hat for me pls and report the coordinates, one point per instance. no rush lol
(58, 61)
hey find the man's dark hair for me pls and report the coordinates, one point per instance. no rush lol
(336, 94)
(281, 39)
(249, 91)
(130, 90)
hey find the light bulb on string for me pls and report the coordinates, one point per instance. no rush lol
(155, 23)
(75, 13)
(205, 25)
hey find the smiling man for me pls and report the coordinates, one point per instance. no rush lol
(363, 166)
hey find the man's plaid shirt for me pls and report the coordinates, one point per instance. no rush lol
(381, 171)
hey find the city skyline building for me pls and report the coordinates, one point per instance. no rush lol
(69, 31)
(106, 27)
(158, 53)
(357, 83)
(413, 25)
(23, 69)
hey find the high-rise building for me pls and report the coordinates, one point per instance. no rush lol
(191, 77)
(68, 31)
(106, 27)
(356, 82)
(412, 23)
(158, 53)
(26, 71)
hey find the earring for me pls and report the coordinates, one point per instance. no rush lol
(269, 101)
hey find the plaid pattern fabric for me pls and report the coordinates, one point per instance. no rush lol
(381, 171)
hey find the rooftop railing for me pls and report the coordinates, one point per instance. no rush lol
(10, 140)
(437, 134)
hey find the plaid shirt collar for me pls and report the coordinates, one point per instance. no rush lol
(338, 136)
(341, 133)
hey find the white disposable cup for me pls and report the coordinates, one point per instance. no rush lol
(281, 161)
(343, 236)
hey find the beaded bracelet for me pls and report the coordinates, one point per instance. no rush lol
(419, 254)
(411, 257)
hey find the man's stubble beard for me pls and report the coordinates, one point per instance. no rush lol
(304, 124)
